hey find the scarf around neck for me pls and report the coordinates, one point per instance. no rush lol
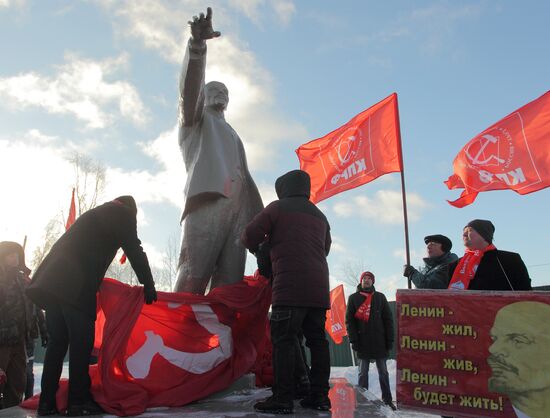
(467, 267)
(363, 312)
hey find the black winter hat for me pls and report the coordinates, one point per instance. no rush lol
(445, 242)
(484, 228)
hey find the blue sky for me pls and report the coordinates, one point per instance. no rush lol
(101, 77)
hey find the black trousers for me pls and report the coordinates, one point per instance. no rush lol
(287, 322)
(70, 328)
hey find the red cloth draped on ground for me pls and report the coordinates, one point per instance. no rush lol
(514, 153)
(336, 315)
(182, 348)
(363, 149)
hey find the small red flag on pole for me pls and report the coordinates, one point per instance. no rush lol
(336, 316)
(72, 213)
(513, 154)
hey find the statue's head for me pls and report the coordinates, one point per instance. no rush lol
(216, 95)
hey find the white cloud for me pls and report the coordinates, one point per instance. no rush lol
(267, 192)
(36, 135)
(12, 3)
(80, 88)
(338, 245)
(37, 178)
(163, 27)
(430, 26)
(250, 8)
(36, 186)
(415, 255)
(284, 10)
(386, 207)
(164, 185)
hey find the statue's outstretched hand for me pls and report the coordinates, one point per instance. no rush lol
(201, 27)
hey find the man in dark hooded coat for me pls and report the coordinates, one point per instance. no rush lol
(299, 236)
(65, 285)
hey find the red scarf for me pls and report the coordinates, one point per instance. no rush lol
(467, 267)
(363, 312)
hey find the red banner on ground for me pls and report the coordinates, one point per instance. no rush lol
(182, 348)
(358, 152)
(474, 354)
(336, 316)
(514, 154)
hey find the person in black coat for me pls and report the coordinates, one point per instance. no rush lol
(370, 329)
(483, 266)
(65, 285)
(299, 236)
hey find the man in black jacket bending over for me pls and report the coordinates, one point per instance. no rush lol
(65, 285)
(299, 236)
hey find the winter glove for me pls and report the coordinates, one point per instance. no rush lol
(408, 270)
(3, 377)
(263, 257)
(355, 346)
(149, 294)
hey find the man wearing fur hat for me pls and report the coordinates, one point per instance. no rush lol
(435, 273)
(483, 267)
(370, 328)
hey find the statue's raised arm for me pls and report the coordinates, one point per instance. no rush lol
(194, 63)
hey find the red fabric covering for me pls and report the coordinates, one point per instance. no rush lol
(182, 348)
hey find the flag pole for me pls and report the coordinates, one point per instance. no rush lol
(403, 194)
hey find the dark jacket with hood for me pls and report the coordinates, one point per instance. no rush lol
(435, 273)
(372, 339)
(299, 236)
(498, 270)
(75, 266)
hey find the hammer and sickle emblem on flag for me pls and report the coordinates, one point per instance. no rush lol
(345, 147)
(480, 158)
(139, 363)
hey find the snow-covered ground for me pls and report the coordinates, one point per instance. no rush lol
(350, 373)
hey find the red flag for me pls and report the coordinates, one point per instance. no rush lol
(365, 148)
(123, 258)
(182, 348)
(514, 153)
(336, 316)
(72, 213)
